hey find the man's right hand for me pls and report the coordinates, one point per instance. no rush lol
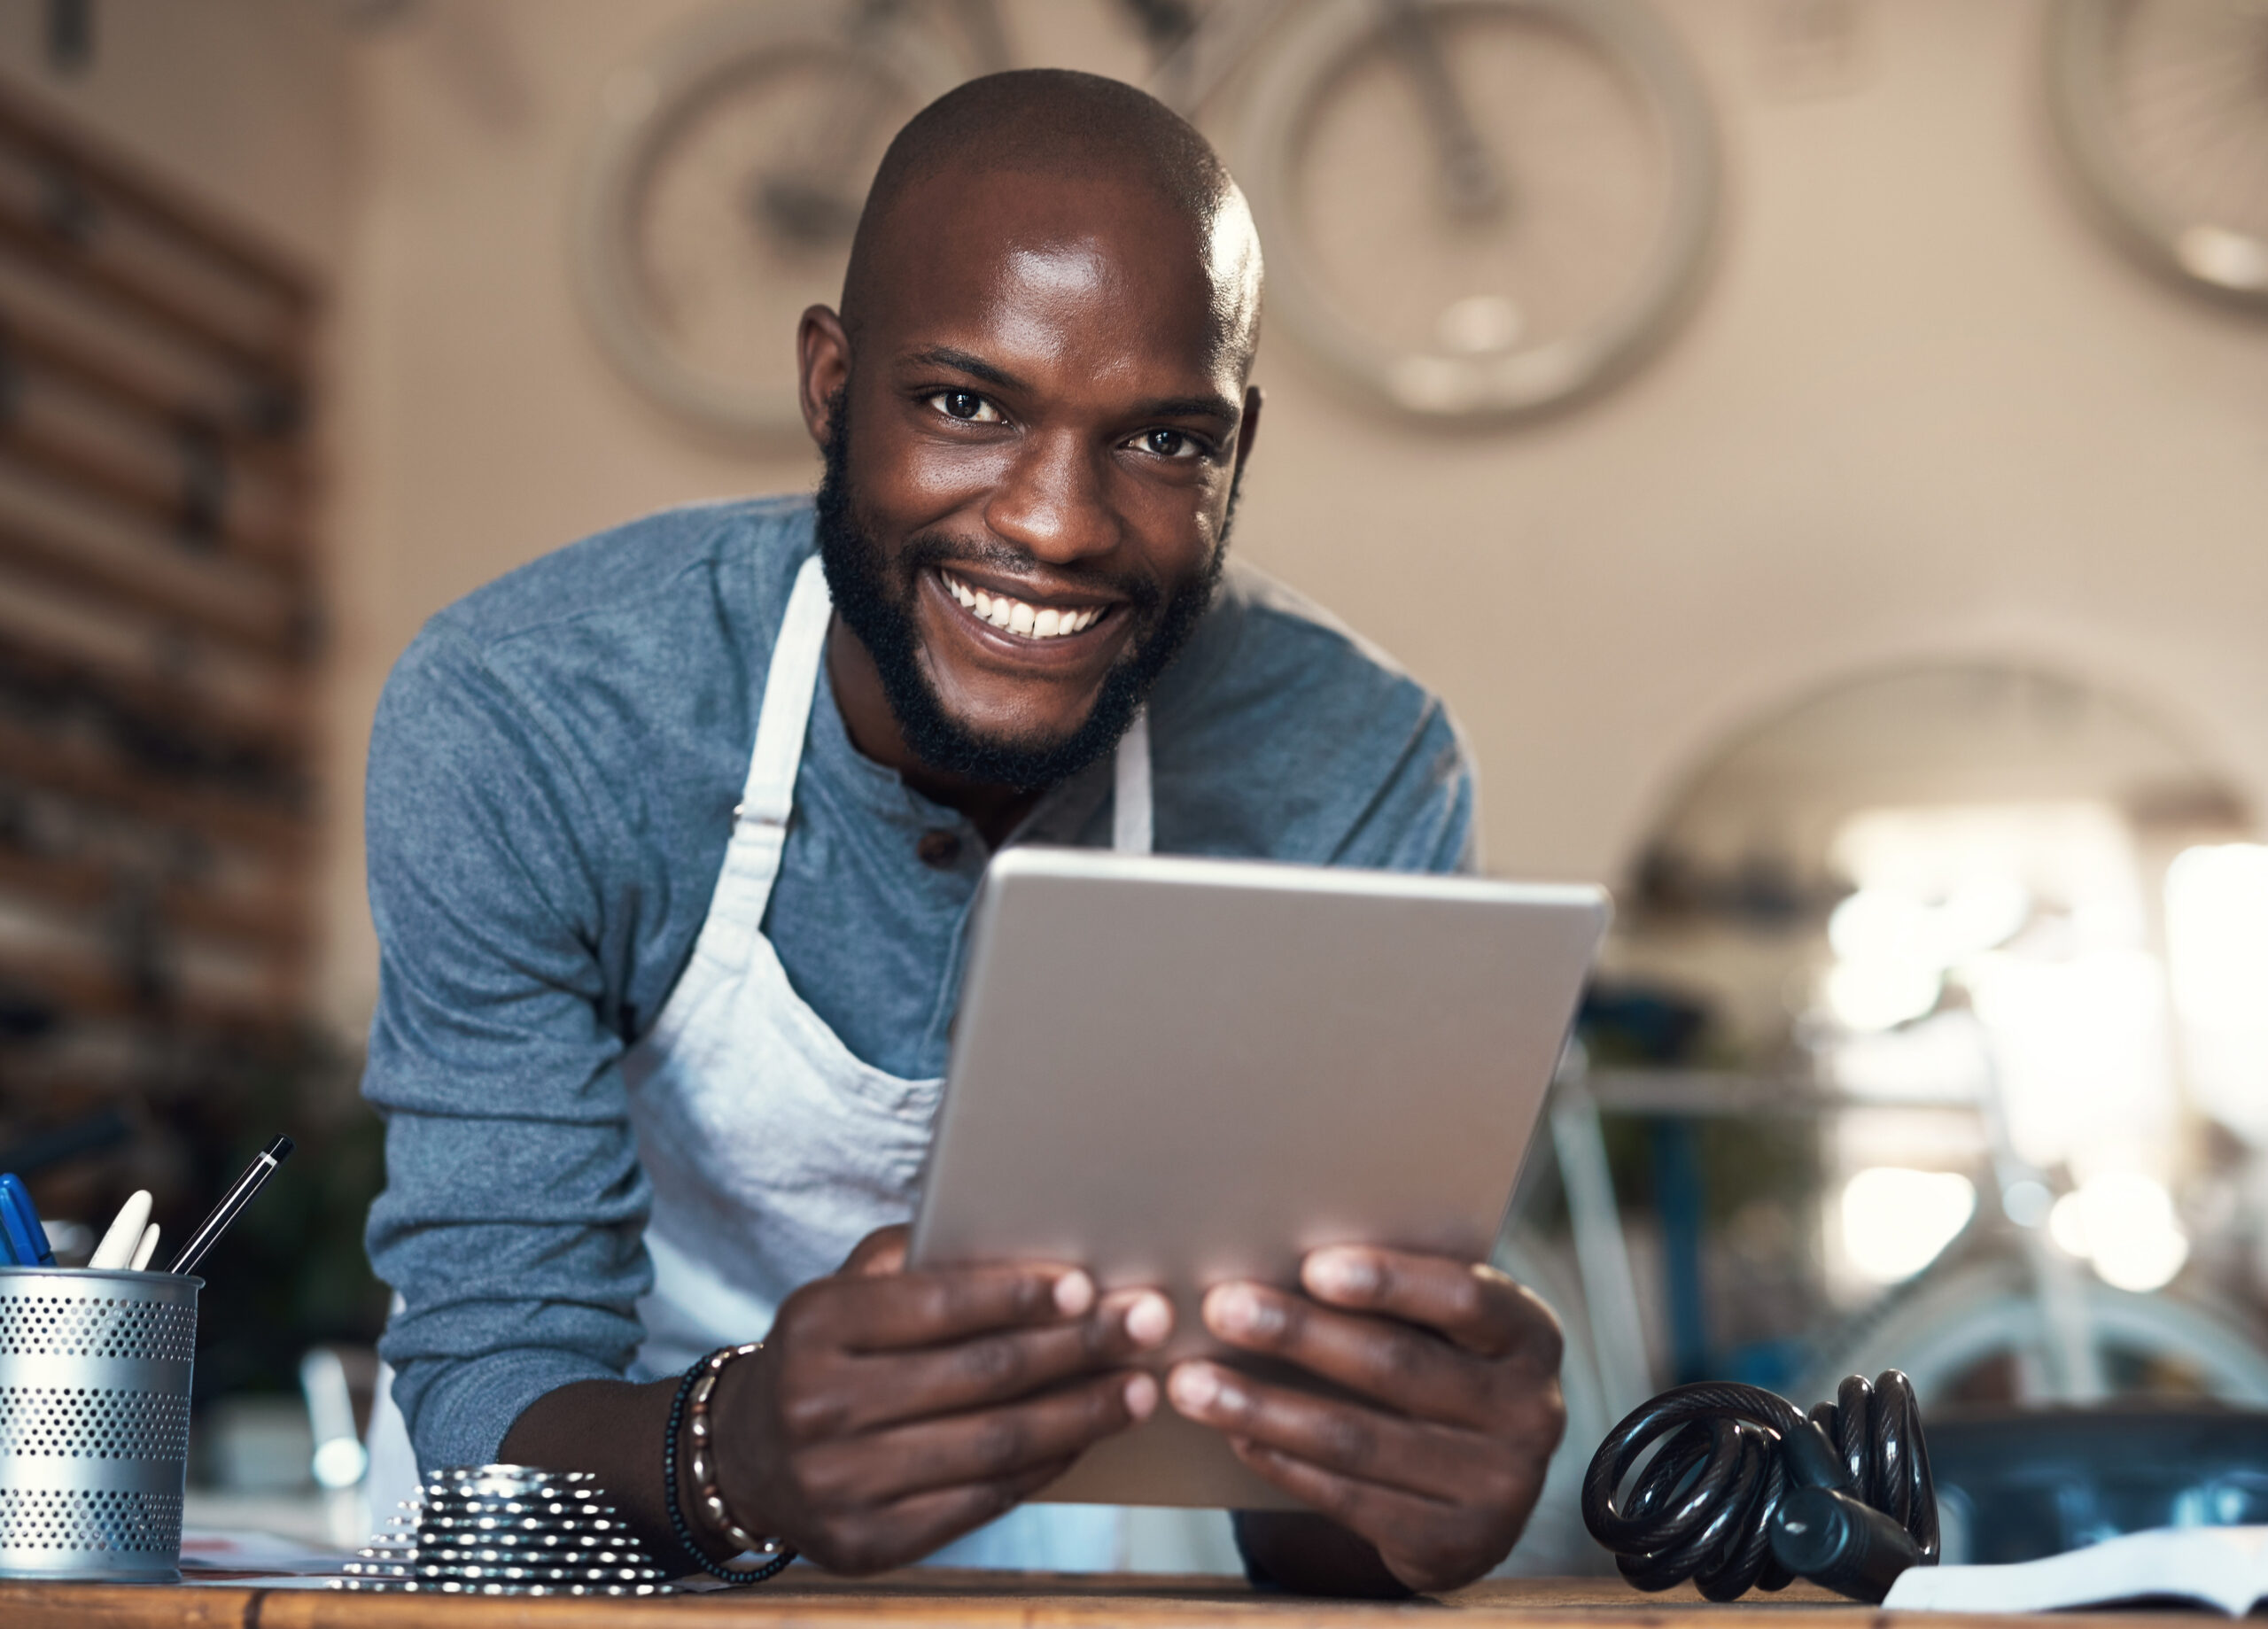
(891, 1411)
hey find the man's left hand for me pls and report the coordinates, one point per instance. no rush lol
(1456, 1369)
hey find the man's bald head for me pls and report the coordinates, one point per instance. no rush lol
(1062, 125)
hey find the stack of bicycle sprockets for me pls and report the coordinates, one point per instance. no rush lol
(507, 1530)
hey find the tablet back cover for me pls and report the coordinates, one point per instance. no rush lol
(1175, 1072)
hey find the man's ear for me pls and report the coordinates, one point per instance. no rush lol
(1247, 427)
(823, 366)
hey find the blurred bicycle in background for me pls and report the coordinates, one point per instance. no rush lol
(1472, 208)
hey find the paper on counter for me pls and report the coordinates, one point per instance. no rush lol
(2224, 1567)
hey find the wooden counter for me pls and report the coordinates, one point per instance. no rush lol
(938, 1599)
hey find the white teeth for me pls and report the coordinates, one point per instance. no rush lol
(1018, 618)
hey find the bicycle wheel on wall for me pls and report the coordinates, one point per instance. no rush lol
(2162, 108)
(1478, 208)
(720, 192)
(1946, 1328)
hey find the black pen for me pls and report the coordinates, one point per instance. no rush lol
(255, 1174)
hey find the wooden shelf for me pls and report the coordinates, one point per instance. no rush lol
(144, 392)
(269, 719)
(133, 290)
(160, 619)
(86, 772)
(124, 179)
(266, 927)
(275, 628)
(102, 474)
(85, 987)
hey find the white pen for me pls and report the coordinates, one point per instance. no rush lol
(117, 1245)
(147, 1248)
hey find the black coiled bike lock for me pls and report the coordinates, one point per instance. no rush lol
(1747, 1494)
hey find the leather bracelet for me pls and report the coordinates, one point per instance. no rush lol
(690, 1409)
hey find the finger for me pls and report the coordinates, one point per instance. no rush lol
(1411, 1369)
(1417, 1456)
(909, 1529)
(989, 1445)
(890, 1313)
(1422, 1540)
(990, 1369)
(1471, 1303)
(881, 1251)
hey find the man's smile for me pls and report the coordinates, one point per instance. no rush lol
(1045, 620)
(1067, 630)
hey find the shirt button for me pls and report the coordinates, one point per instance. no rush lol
(939, 851)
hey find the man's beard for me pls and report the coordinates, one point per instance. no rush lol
(875, 596)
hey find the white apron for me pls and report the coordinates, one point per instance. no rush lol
(772, 1149)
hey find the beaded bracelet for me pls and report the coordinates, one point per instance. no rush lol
(690, 1409)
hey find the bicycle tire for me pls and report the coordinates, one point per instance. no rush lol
(1944, 1326)
(1433, 384)
(2226, 258)
(639, 111)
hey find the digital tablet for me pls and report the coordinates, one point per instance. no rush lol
(1174, 1072)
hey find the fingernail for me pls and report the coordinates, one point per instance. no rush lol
(1075, 1293)
(1341, 1272)
(1149, 1320)
(1193, 1386)
(1141, 1397)
(1236, 1310)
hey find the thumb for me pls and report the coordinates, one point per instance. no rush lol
(880, 1252)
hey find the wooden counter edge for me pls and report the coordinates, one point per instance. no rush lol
(831, 1606)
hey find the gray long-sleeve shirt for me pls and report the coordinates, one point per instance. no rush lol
(552, 779)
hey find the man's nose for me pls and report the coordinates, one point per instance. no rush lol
(1054, 501)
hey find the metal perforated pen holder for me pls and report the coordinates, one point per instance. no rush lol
(94, 1422)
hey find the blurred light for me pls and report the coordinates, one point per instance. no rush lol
(1868, 996)
(2026, 1203)
(340, 1463)
(1881, 924)
(2227, 257)
(1477, 324)
(2217, 952)
(1896, 1221)
(1981, 915)
(2122, 1222)
(2143, 1262)
(2083, 1053)
(1939, 1059)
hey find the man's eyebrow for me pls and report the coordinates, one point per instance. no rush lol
(963, 361)
(1190, 408)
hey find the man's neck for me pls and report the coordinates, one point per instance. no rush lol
(872, 726)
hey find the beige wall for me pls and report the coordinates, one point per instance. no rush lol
(1922, 408)
(245, 101)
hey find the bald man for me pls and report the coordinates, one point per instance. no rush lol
(672, 839)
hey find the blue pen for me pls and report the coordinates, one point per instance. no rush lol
(27, 1240)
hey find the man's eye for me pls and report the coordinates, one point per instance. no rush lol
(966, 406)
(1169, 444)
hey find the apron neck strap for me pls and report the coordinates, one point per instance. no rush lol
(784, 721)
(1130, 804)
(770, 792)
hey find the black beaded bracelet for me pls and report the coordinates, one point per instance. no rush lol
(706, 1368)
